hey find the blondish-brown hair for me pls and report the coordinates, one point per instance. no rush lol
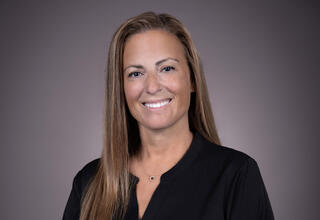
(108, 193)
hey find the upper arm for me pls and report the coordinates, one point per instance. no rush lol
(72, 209)
(248, 198)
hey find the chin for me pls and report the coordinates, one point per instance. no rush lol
(157, 125)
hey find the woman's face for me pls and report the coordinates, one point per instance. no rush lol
(157, 82)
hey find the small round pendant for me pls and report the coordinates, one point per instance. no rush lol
(151, 178)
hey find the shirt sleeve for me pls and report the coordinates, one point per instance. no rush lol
(248, 198)
(72, 209)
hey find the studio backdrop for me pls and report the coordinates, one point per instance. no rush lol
(261, 61)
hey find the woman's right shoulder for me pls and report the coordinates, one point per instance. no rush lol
(79, 186)
(90, 168)
(84, 176)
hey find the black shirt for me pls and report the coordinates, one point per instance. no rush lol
(209, 182)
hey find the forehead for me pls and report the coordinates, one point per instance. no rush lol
(152, 45)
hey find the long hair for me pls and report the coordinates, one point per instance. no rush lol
(107, 195)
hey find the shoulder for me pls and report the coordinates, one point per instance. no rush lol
(80, 182)
(239, 178)
(221, 157)
(90, 168)
(84, 176)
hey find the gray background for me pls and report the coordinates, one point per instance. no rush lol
(261, 60)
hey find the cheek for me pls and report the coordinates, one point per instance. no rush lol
(180, 85)
(132, 91)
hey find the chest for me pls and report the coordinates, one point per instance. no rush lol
(144, 192)
(175, 201)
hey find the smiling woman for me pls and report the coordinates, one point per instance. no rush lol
(158, 94)
(162, 157)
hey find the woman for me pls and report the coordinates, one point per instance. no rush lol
(162, 157)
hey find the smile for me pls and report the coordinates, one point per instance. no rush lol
(157, 104)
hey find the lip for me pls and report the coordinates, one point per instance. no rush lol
(157, 101)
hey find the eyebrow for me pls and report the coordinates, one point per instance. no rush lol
(157, 63)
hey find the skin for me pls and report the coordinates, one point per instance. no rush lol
(156, 70)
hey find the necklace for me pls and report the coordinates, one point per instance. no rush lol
(151, 177)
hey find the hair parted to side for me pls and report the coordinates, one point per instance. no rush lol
(107, 195)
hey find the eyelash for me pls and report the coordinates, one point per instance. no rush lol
(165, 69)
(131, 75)
(171, 68)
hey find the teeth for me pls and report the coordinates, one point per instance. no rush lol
(157, 105)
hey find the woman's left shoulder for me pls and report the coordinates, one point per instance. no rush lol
(240, 177)
(223, 156)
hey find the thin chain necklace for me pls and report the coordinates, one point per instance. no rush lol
(151, 177)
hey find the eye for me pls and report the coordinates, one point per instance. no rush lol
(167, 68)
(134, 74)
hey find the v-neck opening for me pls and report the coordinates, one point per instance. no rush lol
(150, 203)
(185, 160)
(166, 177)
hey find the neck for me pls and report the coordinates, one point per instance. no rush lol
(164, 145)
(160, 149)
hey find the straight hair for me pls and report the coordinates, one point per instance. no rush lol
(107, 194)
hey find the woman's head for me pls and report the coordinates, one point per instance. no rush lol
(157, 81)
(200, 114)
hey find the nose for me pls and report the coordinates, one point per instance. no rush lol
(152, 84)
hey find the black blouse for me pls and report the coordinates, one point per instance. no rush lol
(209, 182)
